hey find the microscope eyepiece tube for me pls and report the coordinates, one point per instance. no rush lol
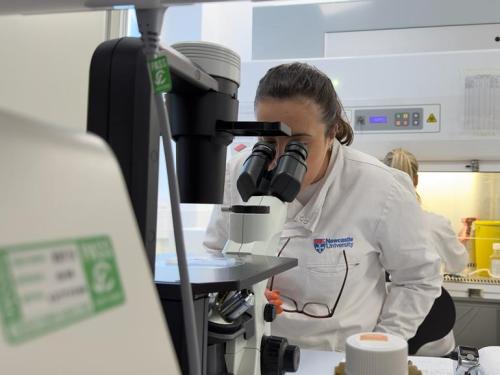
(254, 168)
(289, 172)
(298, 148)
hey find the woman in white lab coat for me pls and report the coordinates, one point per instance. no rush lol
(453, 254)
(353, 219)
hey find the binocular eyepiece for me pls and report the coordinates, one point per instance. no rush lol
(283, 182)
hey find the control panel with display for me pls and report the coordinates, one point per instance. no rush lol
(377, 119)
(399, 119)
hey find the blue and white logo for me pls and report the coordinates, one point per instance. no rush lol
(321, 244)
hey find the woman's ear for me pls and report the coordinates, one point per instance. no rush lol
(415, 180)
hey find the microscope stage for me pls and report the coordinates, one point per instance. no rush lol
(245, 271)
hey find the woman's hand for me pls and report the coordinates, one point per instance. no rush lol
(273, 297)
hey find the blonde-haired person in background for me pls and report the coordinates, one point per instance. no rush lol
(453, 254)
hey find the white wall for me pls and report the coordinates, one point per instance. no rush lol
(44, 64)
(229, 24)
(413, 40)
(297, 31)
(180, 23)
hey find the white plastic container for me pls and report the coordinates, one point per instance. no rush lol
(495, 260)
(376, 353)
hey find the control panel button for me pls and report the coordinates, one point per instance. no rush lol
(360, 120)
(416, 115)
(398, 123)
(398, 116)
(406, 115)
(416, 122)
(405, 123)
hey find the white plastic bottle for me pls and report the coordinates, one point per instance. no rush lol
(495, 260)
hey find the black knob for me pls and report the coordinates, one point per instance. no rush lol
(277, 357)
(291, 359)
(269, 312)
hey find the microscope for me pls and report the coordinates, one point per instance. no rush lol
(232, 317)
(255, 228)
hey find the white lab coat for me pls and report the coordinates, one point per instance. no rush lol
(453, 254)
(370, 211)
(454, 258)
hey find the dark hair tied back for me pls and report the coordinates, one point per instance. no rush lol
(300, 80)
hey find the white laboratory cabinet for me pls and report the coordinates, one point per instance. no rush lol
(477, 305)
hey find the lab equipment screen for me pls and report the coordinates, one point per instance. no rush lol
(378, 119)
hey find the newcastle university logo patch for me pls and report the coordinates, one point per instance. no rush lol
(321, 244)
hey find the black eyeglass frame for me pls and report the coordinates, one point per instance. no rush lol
(301, 311)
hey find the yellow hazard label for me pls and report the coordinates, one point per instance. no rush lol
(432, 119)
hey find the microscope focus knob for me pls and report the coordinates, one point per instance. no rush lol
(269, 312)
(291, 359)
(277, 357)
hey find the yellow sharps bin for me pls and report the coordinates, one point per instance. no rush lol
(487, 232)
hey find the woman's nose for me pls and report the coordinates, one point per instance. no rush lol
(273, 163)
(280, 148)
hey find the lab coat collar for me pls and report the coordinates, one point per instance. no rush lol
(308, 217)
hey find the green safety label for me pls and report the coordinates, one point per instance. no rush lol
(160, 74)
(50, 285)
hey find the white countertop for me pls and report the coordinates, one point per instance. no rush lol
(323, 363)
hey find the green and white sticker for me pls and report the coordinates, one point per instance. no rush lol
(160, 74)
(47, 286)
